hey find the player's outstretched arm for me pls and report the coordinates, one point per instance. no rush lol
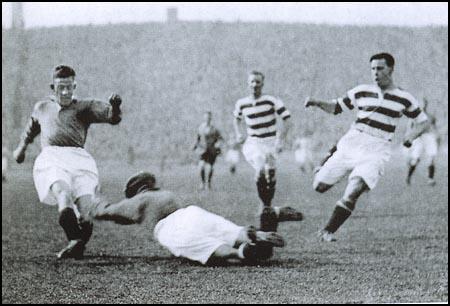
(32, 129)
(327, 106)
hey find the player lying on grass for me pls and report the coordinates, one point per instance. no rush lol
(64, 173)
(190, 232)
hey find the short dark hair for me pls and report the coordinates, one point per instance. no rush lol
(390, 61)
(255, 72)
(63, 71)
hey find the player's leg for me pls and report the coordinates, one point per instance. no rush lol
(266, 180)
(249, 245)
(211, 161)
(68, 220)
(431, 150)
(414, 158)
(344, 207)
(201, 167)
(431, 171)
(331, 171)
(85, 222)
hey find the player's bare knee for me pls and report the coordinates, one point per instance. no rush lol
(355, 188)
(63, 195)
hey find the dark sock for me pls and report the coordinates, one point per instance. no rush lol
(268, 220)
(431, 172)
(411, 171)
(338, 217)
(69, 222)
(202, 174)
(266, 189)
(86, 230)
(210, 176)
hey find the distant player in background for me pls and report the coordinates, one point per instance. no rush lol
(5, 160)
(425, 146)
(207, 146)
(303, 151)
(366, 148)
(232, 155)
(64, 173)
(262, 145)
(190, 232)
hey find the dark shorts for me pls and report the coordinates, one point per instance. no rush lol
(210, 155)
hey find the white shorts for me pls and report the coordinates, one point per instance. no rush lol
(232, 156)
(303, 156)
(74, 166)
(195, 233)
(427, 143)
(361, 154)
(257, 150)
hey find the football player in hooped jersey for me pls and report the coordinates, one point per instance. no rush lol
(262, 145)
(64, 173)
(365, 149)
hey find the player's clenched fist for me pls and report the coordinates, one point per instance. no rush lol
(308, 102)
(115, 100)
(19, 155)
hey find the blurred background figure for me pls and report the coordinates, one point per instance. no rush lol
(232, 156)
(426, 147)
(303, 151)
(5, 158)
(207, 147)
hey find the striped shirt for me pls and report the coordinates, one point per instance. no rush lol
(259, 115)
(67, 126)
(379, 112)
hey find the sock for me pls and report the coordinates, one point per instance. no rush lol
(338, 218)
(86, 230)
(69, 223)
(431, 171)
(268, 220)
(202, 174)
(266, 188)
(411, 171)
(210, 176)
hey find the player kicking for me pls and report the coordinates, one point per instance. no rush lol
(208, 147)
(427, 144)
(190, 232)
(65, 173)
(262, 145)
(366, 148)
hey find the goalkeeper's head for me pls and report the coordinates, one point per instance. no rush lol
(140, 182)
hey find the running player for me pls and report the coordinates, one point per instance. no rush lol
(366, 148)
(208, 148)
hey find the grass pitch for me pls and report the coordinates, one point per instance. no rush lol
(393, 249)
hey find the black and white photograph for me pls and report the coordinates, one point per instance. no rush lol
(224, 152)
